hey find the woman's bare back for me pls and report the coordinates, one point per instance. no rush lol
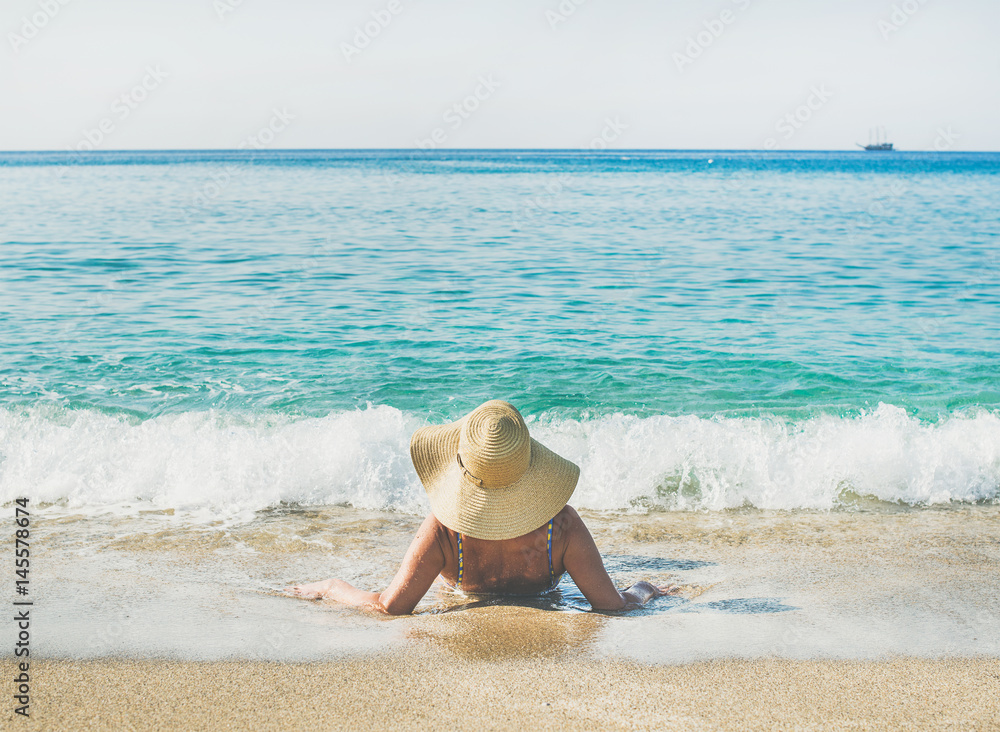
(509, 566)
(512, 566)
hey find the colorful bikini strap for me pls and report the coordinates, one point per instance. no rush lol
(461, 558)
(552, 572)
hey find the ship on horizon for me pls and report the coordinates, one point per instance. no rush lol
(880, 143)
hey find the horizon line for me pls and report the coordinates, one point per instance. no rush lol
(419, 150)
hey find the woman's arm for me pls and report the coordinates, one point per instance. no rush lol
(423, 562)
(584, 564)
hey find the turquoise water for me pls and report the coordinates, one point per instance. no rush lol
(697, 329)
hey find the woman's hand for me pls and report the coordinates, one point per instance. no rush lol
(423, 562)
(311, 591)
(667, 590)
(584, 564)
(642, 592)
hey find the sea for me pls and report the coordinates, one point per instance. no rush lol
(232, 348)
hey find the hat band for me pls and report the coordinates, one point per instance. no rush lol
(466, 471)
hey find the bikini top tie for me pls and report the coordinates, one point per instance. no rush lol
(461, 559)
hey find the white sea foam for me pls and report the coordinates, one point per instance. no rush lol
(693, 463)
(220, 464)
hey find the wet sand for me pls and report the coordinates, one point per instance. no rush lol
(799, 585)
(421, 691)
(826, 620)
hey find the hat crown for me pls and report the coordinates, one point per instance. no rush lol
(494, 447)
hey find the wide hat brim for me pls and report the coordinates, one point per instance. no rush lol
(462, 504)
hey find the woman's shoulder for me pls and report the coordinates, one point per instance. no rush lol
(433, 526)
(568, 522)
(432, 533)
(570, 514)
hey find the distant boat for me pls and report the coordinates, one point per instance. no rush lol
(879, 144)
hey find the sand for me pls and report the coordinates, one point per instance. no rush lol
(796, 585)
(866, 620)
(430, 691)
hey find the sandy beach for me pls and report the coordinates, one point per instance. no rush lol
(853, 585)
(851, 620)
(427, 691)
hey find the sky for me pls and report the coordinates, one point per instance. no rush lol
(628, 74)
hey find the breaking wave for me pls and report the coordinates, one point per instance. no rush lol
(217, 463)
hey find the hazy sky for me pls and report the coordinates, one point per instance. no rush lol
(787, 74)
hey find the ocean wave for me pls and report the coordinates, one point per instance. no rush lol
(222, 464)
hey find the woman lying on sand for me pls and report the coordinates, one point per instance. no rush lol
(500, 523)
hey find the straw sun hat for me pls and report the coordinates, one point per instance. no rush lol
(487, 478)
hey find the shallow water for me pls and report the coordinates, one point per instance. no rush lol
(795, 585)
